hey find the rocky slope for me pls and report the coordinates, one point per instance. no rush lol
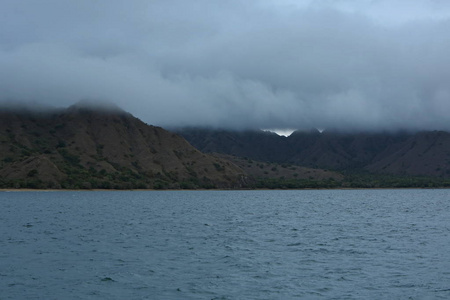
(92, 147)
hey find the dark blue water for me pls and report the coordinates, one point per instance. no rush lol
(339, 244)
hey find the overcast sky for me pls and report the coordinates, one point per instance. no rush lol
(348, 64)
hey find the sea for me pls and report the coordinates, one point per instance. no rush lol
(264, 244)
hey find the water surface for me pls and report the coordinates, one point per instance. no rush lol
(334, 244)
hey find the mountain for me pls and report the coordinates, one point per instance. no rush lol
(257, 145)
(101, 146)
(424, 153)
(272, 170)
(86, 146)
(401, 153)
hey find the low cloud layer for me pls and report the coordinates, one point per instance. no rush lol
(361, 65)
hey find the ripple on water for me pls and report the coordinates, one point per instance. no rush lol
(378, 244)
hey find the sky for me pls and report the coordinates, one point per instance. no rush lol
(341, 64)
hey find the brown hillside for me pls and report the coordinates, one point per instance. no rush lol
(83, 147)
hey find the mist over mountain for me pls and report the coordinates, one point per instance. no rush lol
(351, 65)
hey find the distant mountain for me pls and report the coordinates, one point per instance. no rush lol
(403, 153)
(258, 145)
(424, 153)
(87, 146)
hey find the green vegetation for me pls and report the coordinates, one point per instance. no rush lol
(282, 183)
(80, 178)
(366, 180)
(361, 180)
(219, 167)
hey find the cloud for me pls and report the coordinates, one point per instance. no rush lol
(240, 64)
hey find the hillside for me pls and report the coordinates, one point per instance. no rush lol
(266, 170)
(402, 153)
(87, 147)
(92, 147)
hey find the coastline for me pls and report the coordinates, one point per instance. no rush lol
(188, 190)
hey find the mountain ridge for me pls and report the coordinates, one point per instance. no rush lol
(425, 153)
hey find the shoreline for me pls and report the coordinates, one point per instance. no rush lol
(188, 190)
